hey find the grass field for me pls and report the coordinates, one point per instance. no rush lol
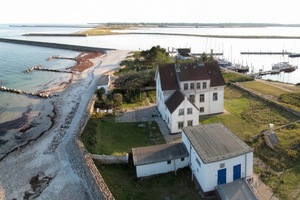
(247, 116)
(105, 136)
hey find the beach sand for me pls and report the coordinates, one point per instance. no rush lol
(47, 155)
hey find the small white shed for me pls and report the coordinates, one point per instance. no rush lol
(158, 159)
(104, 83)
(217, 156)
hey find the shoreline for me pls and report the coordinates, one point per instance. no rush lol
(26, 124)
(49, 154)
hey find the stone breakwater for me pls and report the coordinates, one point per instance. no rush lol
(22, 92)
(47, 70)
(56, 45)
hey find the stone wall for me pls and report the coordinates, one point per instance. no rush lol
(83, 164)
(260, 96)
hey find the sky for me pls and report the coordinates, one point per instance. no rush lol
(173, 11)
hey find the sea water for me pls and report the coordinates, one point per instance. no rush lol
(14, 60)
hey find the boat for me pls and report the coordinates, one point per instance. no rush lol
(294, 55)
(284, 67)
(239, 68)
(223, 62)
(289, 69)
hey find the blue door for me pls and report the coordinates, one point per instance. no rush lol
(221, 176)
(237, 172)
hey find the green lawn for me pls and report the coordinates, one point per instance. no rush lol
(110, 137)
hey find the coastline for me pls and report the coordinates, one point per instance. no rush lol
(40, 118)
(47, 154)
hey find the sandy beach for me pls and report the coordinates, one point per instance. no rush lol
(46, 159)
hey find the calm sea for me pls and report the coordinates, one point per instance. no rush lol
(14, 59)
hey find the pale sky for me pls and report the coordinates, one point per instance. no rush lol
(100, 11)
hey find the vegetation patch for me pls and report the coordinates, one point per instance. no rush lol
(123, 184)
(235, 77)
(292, 98)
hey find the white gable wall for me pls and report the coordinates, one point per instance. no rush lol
(175, 117)
(218, 105)
(161, 167)
(207, 174)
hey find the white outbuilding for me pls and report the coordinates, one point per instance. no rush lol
(217, 156)
(158, 159)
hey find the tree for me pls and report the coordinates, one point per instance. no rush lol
(156, 55)
(100, 92)
(118, 100)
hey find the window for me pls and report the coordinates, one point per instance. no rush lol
(185, 86)
(190, 111)
(181, 112)
(201, 97)
(204, 85)
(198, 85)
(169, 162)
(192, 98)
(201, 109)
(180, 125)
(222, 165)
(182, 159)
(192, 86)
(190, 123)
(215, 96)
(198, 162)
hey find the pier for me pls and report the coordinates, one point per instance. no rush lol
(265, 53)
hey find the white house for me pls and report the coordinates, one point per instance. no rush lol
(217, 156)
(201, 85)
(159, 159)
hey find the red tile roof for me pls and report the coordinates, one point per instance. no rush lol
(174, 100)
(168, 77)
(214, 72)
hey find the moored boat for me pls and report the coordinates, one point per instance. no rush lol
(284, 67)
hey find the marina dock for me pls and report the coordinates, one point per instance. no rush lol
(265, 53)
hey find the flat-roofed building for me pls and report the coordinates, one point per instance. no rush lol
(217, 156)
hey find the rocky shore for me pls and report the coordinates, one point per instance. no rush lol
(47, 167)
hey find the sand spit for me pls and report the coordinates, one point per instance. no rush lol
(48, 168)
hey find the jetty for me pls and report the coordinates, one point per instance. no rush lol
(47, 70)
(59, 57)
(22, 92)
(56, 45)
